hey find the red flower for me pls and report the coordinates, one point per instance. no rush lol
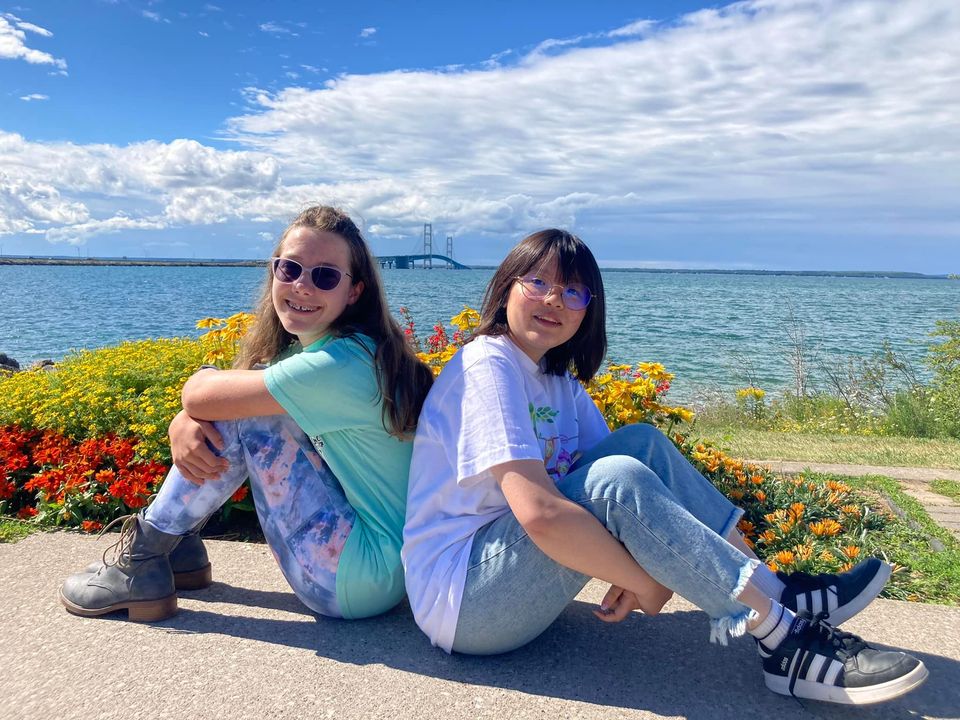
(240, 494)
(7, 489)
(26, 513)
(106, 476)
(91, 526)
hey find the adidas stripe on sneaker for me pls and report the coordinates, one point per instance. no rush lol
(818, 662)
(838, 597)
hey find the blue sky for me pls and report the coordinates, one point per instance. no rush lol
(782, 134)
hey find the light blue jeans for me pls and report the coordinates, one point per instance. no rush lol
(668, 516)
(302, 508)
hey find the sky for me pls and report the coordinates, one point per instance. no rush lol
(765, 134)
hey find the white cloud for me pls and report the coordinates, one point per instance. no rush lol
(368, 32)
(13, 36)
(798, 105)
(823, 116)
(201, 33)
(277, 29)
(79, 233)
(26, 206)
(34, 96)
(636, 28)
(151, 15)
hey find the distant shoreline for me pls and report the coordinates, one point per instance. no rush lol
(211, 262)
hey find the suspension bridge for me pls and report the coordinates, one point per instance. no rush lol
(425, 258)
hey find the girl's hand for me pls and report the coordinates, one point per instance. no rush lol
(618, 603)
(191, 454)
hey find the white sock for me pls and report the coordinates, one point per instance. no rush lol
(774, 628)
(767, 582)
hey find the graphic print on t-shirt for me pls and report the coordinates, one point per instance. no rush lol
(554, 444)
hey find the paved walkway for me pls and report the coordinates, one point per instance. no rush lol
(246, 648)
(914, 481)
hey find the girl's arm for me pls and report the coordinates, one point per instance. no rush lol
(571, 536)
(228, 395)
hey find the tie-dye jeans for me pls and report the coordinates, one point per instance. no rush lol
(303, 511)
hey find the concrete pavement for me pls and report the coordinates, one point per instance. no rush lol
(246, 648)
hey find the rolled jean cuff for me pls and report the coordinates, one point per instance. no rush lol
(735, 625)
(735, 514)
(732, 626)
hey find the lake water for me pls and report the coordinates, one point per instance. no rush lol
(705, 328)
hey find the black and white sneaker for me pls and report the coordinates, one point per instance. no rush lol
(819, 662)
(838, 597)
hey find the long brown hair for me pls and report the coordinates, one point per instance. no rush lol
(403, 381)
(583, 353)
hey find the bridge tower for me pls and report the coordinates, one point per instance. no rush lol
(450, 250)
(428, 245)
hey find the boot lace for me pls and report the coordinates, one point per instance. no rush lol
(123, 543)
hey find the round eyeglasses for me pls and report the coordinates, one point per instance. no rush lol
(324, 277)
(575, 296)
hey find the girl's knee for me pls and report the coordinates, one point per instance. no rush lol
(616, 477)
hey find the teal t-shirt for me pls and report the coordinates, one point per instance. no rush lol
(330, 390)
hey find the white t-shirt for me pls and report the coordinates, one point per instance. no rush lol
(490, 405)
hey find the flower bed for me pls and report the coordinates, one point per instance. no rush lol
(87, 442)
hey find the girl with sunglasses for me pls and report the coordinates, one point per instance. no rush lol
(323, 432)
(519, 493)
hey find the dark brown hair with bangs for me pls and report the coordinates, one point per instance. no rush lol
(584, 352)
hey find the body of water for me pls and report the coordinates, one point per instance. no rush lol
(711, 330)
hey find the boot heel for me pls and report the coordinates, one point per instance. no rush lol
(153, 610)
(194, 579)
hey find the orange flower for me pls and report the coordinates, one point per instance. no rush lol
(746, 527)
(736, 494)
(773, 566)
(796, 511)
(838, 487)
(91, 526)
(825, 527)
(786, 527)
(850, 510)
(26, 513)
(760, 495)
(804, 552)
(768, 536)
(784, 557)
(846, 566)
(827, 556)
(757, 479)
(851, 551)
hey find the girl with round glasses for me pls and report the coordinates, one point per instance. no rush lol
(323, 431)
(519, 494)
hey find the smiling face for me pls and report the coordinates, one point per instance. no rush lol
(303, 310)
(537, 326)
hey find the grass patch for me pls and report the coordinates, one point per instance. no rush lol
(947, 488)
(926, 556)
(853, 449)
(12, 530)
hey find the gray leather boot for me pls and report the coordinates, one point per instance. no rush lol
(188, 560)
(137, 579)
